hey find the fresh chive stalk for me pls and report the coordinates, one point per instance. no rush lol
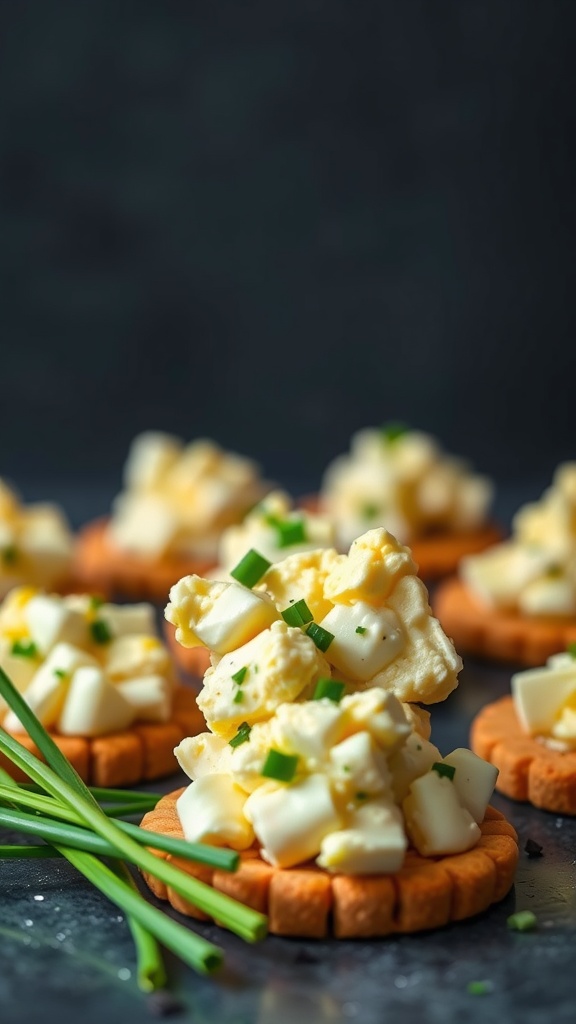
(15, 852)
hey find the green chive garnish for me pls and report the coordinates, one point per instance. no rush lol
(571, 649)
(321, 637)
(242, 735)
(392, 431)
(522, 921)
(279, 766)
(101, 632)
(361, 796)
(250, 569)
(369, 510)
(24, 649)
(240, 675)
(479, 988)
(96, 601)
(292, 531)
(60, 672)
(238, 697)
(297, 614)
(361, 630)
(446, 771)
(329, 688)
(9, 554)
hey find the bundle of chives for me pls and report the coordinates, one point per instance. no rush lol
(68, 817)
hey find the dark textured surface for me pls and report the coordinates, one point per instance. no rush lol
(275, 223)
(67, 955)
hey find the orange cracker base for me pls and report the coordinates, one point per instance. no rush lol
(144, 752)
(528, 769)
(106, 569)
(307, 902)
(497, 634)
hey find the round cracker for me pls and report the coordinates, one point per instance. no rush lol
(139, 754)
(500, 635)
(529, 770)
(307, 902)
(102, 567)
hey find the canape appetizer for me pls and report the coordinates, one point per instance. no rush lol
(517, 600)
(318, 764)
(531, 735)
(177, 500)
(36, 544)
(99, 678)
(401, 479)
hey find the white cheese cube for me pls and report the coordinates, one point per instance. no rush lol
(143, 523)
(149, 696)
(435, 819)
(236, 616)
(308, 729)
(540, 694)
(51, 622)
(205, 754)
(291, 821)
(366, 639)
(129, 657)
(358, 766)
(379, 712)
(548, 596)
(48, 688)
(93, 707)
(413, 759)
(151, 455)
(129, 619)
(211, 810)
(500, 574)
(374, 842)
(474, 780)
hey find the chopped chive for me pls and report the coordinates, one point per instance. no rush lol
(392, 431)
(330, 688)
(369, 510)
(418, 746)
(571, 649)
(241, 736)
(297, 614)
(9, 554)
(279, 766)
(522, 921)
(250, 569)
(101, 632)
(479, 988)
(239, 697)
(60, 672)
(361, 795)
(321, 637)
(24, 649)
(361, 630)
(288, 531)
(240, 675)
(96, 601)
(446, 771)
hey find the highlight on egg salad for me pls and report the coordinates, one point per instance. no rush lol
(401, 478)
(85, 667)
(177, 497)
(316, 746)
(535, 571)
(36, 543)
(545, 700)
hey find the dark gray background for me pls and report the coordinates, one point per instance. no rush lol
(276, 222)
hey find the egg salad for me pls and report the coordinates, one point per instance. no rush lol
(400, 478)
(315, 748)
(85, 667)
(535, 571)
(545, 700)
(36, 544)
(178, 497)
(276, 529)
